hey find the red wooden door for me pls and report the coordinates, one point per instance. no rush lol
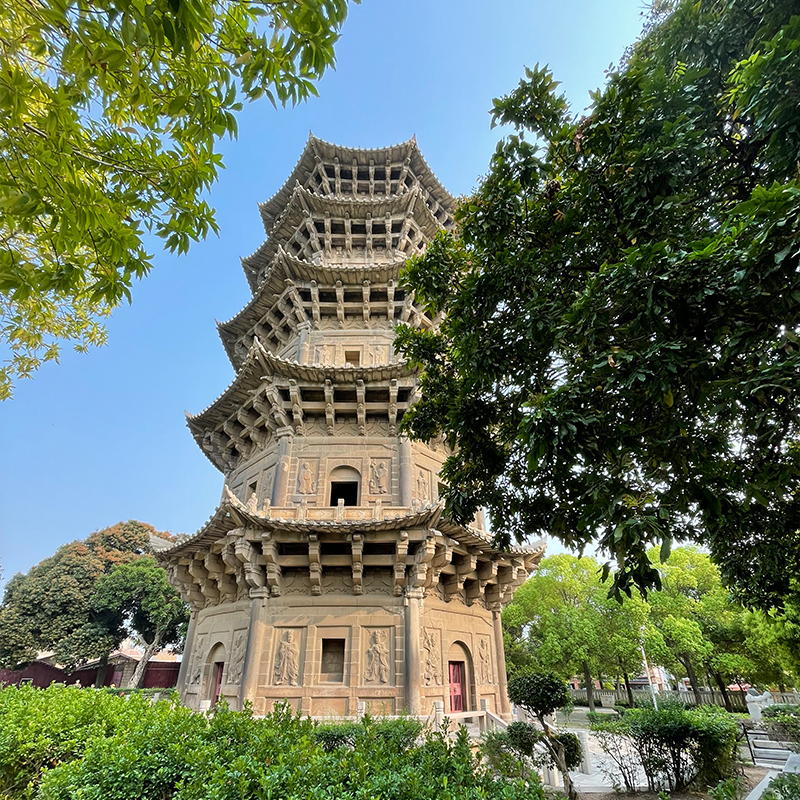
(218, 667)
(457, 688)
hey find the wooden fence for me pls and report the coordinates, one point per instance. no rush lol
(708, 697)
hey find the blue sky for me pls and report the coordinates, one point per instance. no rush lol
(101, 437)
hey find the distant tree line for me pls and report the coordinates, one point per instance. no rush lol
(562, 620)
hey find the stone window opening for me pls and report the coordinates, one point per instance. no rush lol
(252, 489)
(352, 358)
(344, 490)
(332, 662)
(345, 485)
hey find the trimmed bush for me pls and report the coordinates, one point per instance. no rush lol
(66, 743)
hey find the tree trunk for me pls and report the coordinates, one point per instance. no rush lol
(687, 662)
(102, 669)
(782, 688)
(587, 677)
(724, 689)
(556, 750)
(137, 679)
(627, 684)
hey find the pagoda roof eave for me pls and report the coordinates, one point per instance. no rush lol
(261, 364)
(301, 201)
(319, 148)
(286, 266)
(233, 513)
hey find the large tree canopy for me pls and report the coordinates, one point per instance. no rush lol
(51, 606)
(110, 113)
(619, 360)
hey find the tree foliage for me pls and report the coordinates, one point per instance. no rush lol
(562, 620)
(110, 115)
(146, 606)
(619, 361)
(50, 607)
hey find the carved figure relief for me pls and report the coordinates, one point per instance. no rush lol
(376, 355)
(377, 666)
(286, 661)
(197, 662)
(237, 658)
(423, 488)
(484, 662)
(306, 480)
(379, 477)
(324, 356)
(432, 674)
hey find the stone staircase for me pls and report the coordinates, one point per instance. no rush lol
(766, 751)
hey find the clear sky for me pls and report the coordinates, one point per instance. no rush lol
(101, 437)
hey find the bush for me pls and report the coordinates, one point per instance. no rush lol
(675, 746)
(65, 743)
(782, 720)
(784, 787)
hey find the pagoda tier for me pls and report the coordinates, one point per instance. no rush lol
(243, 547)
(271, 396)
(328, 575)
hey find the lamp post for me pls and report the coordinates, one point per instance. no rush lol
(647, 672)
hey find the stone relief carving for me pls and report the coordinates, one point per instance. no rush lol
(484, 662)
(197, 661)
(286, 660)
(377, 355)
(423, 487)
(379, 477)
(433, 662)
(306, 479)
(237, 658)
(377, 664)
(324, 358)
(378, 580)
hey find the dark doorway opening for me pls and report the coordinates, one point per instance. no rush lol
(458, 687)
(219, 666)
(344, 490)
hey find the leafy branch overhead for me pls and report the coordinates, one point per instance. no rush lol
(110, 113)
(619, 362)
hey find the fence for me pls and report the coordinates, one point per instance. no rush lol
(707, 697)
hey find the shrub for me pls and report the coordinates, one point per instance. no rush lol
(675, 746)
(80, 744)
(333, 736)
(782, 720)
(784, 787)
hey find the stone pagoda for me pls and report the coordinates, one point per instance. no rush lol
(328, 575)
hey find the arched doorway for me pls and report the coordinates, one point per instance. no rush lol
(460, 678)
(214, 673)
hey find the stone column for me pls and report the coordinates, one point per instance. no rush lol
(255, 644)
(281, 482)
(304, 328)
(187, 653)
(502, 680)
(413, 663)
(404, 449)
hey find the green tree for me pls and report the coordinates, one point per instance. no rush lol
(619, 360)
(562, 621)
(110, 116)
(49, 607)
(541, 695)
(147, 606)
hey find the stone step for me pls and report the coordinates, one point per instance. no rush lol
(769, 744)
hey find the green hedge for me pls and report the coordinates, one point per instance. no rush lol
(66, 743)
